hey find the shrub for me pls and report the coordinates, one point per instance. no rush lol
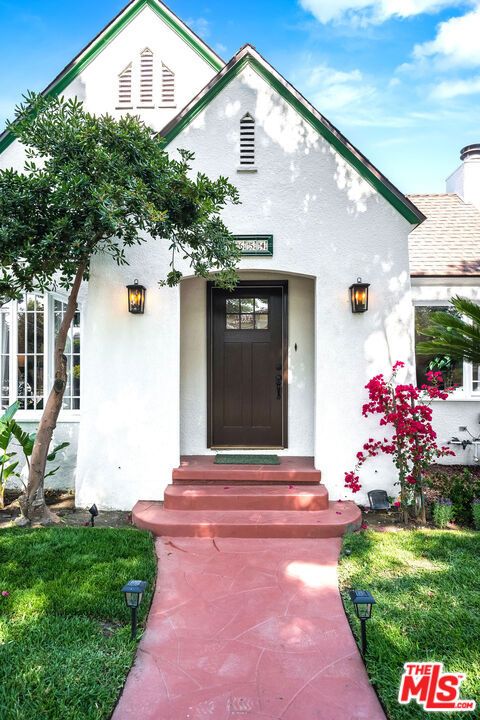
(442, 512)
(460, 486)
(476, 513)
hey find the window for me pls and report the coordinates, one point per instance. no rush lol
(27, 337)
(168, 87)
(247, 142)
(246, 313)
(146, 78)
(453, 372)
(125, 88)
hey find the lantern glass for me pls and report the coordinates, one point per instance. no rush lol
(359, 296)
(136, 298)
(133, 592)
(363, 602)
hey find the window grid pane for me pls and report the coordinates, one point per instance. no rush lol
(30, 349)
(246, 313)
(71, 397)
(5, 358)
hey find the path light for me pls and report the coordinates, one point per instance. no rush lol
(93, 514)
(133, 591)
(363, 601)
(359, 296)
(136, 298)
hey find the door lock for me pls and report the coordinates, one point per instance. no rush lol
(278, 382)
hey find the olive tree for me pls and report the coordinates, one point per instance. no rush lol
(94, 184)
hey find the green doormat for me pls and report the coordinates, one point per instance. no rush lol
(247, 460)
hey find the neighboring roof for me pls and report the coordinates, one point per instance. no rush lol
(109, 32)
(247, 55)
(448, 242)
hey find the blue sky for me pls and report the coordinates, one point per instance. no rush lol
(400, 78)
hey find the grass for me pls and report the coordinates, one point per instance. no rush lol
(65, 647)
(427, 587)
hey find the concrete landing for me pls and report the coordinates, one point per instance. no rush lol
(202, 469)
(247, 628)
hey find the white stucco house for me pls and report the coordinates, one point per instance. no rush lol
(281, 363)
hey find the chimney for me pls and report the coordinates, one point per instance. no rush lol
(465, 181)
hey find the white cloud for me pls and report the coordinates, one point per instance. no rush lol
(457, 43)
(199, 25)
(332, 89)
(454, 88)
(374, 11)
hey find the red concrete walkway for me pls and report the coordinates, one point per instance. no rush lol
(247, 628)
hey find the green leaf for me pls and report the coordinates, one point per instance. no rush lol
(56, 450)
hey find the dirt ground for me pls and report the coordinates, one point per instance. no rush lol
(63, 504)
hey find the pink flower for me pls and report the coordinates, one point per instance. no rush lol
(397, 503)
(5, 593)
(338, 513)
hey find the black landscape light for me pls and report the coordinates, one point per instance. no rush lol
(93, 514)
(133, 592)
(363, 602)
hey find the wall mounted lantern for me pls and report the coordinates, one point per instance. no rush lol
(362, 601)
(133, 592)
(359, 296)
(136, 298)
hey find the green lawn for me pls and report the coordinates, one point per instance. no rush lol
(427, 587)
(65, 647)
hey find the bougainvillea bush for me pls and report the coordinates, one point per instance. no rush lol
(405, 413)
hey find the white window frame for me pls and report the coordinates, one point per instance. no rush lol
(48, 360)
(465, 393)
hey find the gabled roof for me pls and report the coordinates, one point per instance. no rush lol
(448, 242)
(247, 55)
(109, 32)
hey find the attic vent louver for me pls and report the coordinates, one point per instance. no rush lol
(168, 87)
(125, 88)
(247, 142)
(146, 78)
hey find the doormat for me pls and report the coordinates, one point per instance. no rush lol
(247, 460)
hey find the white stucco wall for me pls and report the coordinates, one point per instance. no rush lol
(193, 375)
(462, 408)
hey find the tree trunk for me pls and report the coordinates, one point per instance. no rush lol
(32, 501)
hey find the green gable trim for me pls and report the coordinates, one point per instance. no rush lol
(110, 33)
(307, 115)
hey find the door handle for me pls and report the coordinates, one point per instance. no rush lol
(278, 383)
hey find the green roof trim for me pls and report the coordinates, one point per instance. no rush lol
(379, 183)
(106, 36)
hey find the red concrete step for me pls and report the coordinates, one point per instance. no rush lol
(202, 469)
(340, 518)
(246, 497)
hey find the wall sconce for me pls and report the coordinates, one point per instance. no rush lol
(359, 296)
(136, 298)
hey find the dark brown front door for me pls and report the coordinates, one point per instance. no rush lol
(247, 365)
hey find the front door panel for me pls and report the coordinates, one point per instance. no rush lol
(247, 388)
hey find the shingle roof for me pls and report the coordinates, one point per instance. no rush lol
(447, 243)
